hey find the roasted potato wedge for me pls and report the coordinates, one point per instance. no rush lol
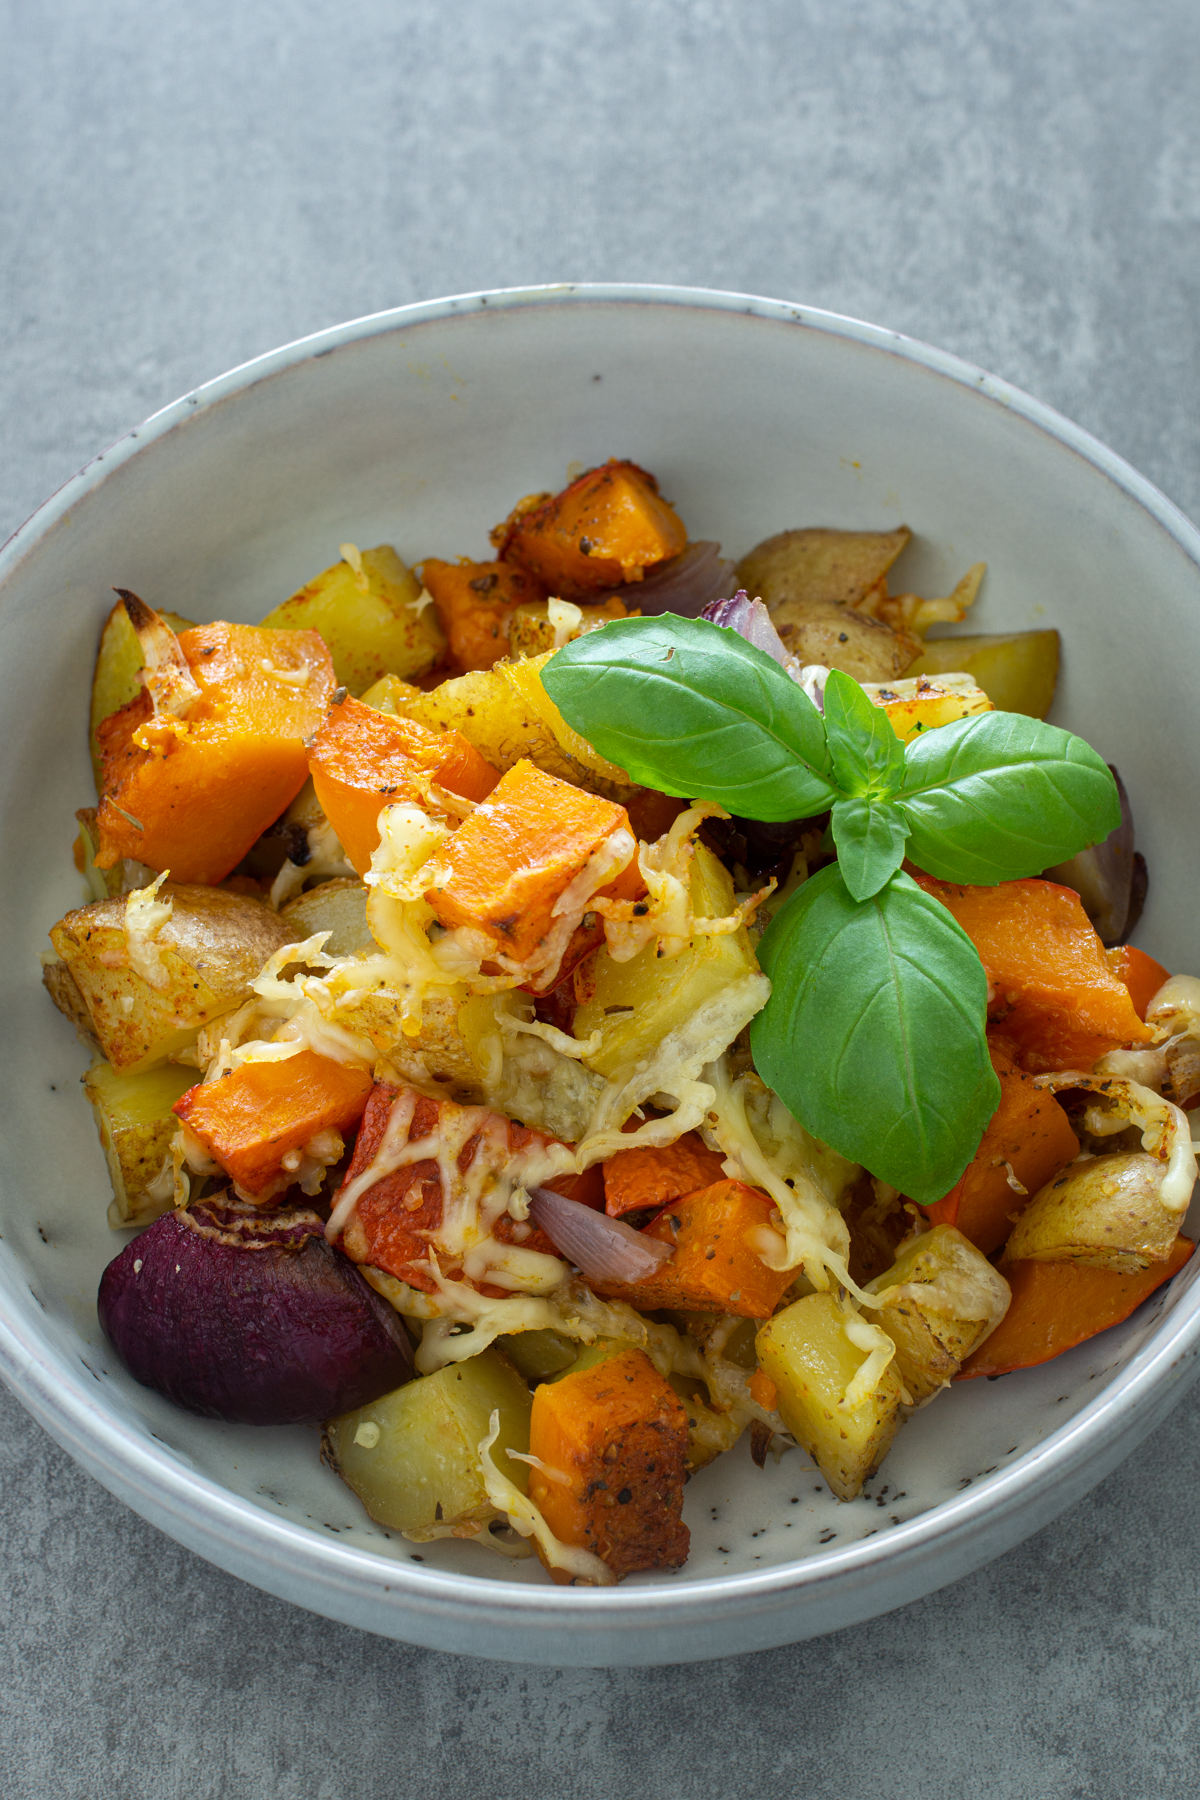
(413, 1457)
(819, 567)
(338, 907)
(367, 609)
(819, 631)
(1105, 1213)
(532, 632)
(805, 1351)
(1018, 670)
(210, 950)
(118, 662)
(136, 1125)
(940, 1299)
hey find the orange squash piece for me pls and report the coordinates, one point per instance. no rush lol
(1140, 973)
(635, 1180)
(261, 1112)
(607, 528)
(1056, 1305)
(395, 1219)
(716, 1235)
(1057, 999)
(1028, 1133)
(611, 1443)
(193, 794)
(506, 865)
(362, 760)
(475, 603)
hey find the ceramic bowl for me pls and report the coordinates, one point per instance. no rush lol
(420, 427)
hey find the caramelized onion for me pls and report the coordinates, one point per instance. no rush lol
(251, 1317)
(685, 585)
(601, 1248)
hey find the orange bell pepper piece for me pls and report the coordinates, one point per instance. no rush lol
(1140, 973)
(363, 760)
(193, 794)
(1057, 999)
(1028, 1133)
(611, 1443)
(261, 1112)
(716, 1235)
(475, 603)
(607, 528)
(1056, 1305)
(398, 1215)
(506, 865)
(648, 1177)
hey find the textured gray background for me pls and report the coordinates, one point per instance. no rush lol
(184, 187)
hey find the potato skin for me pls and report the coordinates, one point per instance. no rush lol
(1104, 1213)
(816, 565)
(213, 946)
(819, 631)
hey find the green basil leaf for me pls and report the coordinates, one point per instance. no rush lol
(874, 1032)
(866, 755)
(691, 708)
(870, 836)
(999, 796)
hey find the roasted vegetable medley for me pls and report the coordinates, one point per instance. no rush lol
(555, 1014)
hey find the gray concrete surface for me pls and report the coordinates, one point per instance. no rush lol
(183, 187)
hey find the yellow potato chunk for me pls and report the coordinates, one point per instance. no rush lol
(918, 703)
(942, 1298)
(368, 616)
(338, 907)
(134, 1118)
(209, 951)
(1105, 1213)
(1018, 671)
(413, 1456)
(805, 1351)
(817, 565)
(635, 1004)
(532, 632)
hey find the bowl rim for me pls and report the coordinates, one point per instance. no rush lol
(122, 1457)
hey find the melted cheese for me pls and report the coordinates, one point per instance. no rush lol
(145, 916)
(525, 1518)
(1166, 1129)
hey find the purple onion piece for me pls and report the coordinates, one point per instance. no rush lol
(1103, 877)
(751, 620)
(685, 585)
(250, 1317)
(601, 1248)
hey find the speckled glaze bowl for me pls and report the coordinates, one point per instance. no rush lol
(420, 427)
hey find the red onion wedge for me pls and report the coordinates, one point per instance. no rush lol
(1104, 877)
(601, 1248)
(685, 585)
(251, 1317)
(751, 620)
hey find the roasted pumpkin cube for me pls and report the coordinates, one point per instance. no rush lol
(367, 609)
(192, 794)
(606, 528)
(475, 604)
(1105, 1213)
(413, 1456)
(805, 1351)
(636, 1180)
(718, 1237)
(611, 1443)
(1027, 1141)
(1057, 1000)
(508, 864)
(136, 1125)
(1056, 1305)
(257, 1120)
(208, 952)
(363, 760)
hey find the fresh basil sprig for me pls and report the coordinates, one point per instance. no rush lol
(874, 1034)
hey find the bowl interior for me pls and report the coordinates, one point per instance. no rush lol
(422, 433)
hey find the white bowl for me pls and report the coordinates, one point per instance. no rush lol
(420, 427)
